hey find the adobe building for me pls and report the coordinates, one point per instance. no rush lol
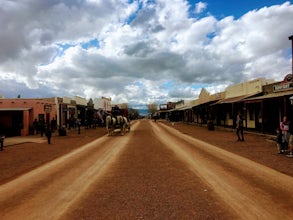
(17, 115)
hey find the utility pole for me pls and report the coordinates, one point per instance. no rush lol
(291, 39)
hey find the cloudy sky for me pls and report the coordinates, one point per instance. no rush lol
(140, 51)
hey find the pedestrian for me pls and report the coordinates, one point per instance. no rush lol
(284, 126)
(36, 126)
(279, 140)
(78, 125)
(239, 127)
(48, 134)
(290, 153)
(42, 127)
(53, 124)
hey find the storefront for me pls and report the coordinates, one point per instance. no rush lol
(267, 110)
(17, 115)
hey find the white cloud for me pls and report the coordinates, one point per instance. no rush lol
(200, 7)
(139, 48)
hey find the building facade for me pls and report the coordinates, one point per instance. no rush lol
(17, 115)
(263, 103)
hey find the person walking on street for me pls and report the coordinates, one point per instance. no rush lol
(239, 127)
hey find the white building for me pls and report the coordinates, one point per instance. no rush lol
(103, 103)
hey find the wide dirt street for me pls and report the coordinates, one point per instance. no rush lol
(156, 171)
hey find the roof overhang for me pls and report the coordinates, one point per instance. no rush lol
(206, 103)
(271, 96)
(182, 108)
(234, 99)
(14, 109)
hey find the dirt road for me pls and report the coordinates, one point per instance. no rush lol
(153, 172)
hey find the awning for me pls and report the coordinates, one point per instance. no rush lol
(271, 95)
(234, 99)
(180, 109)
(206, 103)
(185, 108)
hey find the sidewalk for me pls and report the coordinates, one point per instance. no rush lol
(10, 141)
(229, 129)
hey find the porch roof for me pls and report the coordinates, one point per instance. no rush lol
(271, 95)
(185, 108)
(234, 99)
(212, 102)
(180, 109)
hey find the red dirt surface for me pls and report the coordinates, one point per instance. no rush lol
(154, 174)
(18, 159)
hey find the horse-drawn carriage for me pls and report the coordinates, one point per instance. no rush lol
(117, 121)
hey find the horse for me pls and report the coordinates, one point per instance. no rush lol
(126, 125)
(122, 123)
(110, 124)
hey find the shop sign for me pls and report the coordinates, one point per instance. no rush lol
(282, 87)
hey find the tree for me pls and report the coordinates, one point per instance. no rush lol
(152, 108)
(90, 110)
(133, 113)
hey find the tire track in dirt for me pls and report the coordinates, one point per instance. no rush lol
(48, 191)
(252, 190)
(148, 181)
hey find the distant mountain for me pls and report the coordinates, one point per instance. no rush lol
(143, 112)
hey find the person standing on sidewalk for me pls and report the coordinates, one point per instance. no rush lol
(284, 126)
(290, 153)
(36, 126)
(279, 140)
(239, 127)
(42, 127)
